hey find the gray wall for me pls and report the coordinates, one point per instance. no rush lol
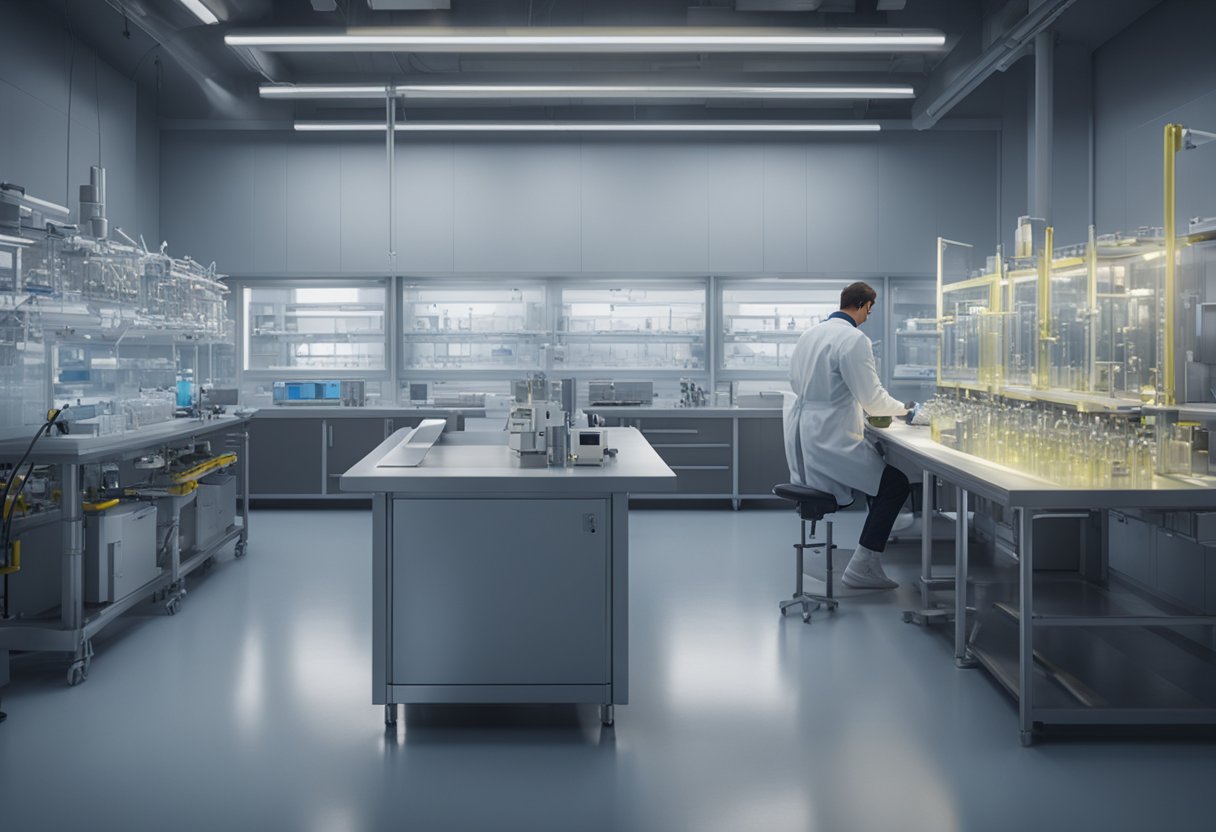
(287, 204)
(49, 154)
(1161, 69)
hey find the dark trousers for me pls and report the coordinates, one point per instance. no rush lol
(893, 490)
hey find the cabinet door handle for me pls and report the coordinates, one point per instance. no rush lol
(693, 431)
(331, 435)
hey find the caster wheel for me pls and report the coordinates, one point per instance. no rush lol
(76, 674)
(173, 605)
(240, 550)
(607, 716)
(806, 618)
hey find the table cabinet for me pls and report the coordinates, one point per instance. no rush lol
(286, 457)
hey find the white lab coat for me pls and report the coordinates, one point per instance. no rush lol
(835, 384)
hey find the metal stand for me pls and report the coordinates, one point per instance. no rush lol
(806, 600)
(929, 612)
(607, 716)
(390, 715)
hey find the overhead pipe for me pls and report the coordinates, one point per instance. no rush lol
(951, 83)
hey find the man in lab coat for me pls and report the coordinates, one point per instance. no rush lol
(835, 382)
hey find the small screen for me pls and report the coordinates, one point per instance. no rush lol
(588, 439)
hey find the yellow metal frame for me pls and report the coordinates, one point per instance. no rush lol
(1173, 144)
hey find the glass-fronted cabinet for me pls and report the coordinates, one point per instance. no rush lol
(315, 326)
(914, 338)
(473, 327)
(762, 320)
(633, 327)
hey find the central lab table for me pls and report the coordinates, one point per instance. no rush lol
(1033, 499)
(494, 583)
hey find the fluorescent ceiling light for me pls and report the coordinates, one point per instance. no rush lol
(593, 40)
(200, 11)
(475, 91)
(592, 127)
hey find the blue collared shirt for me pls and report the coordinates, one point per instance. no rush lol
(843, 316)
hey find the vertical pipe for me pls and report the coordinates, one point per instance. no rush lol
(1173, 143)
(390, 140)
(1043, 123)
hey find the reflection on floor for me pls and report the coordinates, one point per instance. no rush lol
(251, 709)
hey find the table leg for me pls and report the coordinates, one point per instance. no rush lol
(962, 531)
(1026, 627)
(928, 487)
(72, 584)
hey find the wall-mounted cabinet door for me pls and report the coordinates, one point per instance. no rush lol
(348, 440)
(285, 457)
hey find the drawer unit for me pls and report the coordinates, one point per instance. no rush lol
(690, 431)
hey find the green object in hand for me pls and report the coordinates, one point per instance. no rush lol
(879, 421)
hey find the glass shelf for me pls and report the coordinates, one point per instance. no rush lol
(315, 327)
(762, 320)
(473, 327)
(632, 327)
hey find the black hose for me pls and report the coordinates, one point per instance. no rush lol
(14, 473)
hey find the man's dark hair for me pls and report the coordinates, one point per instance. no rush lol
(857, 295)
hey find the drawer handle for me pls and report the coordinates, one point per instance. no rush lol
(684, 431)
(690, 445)
(699, 467)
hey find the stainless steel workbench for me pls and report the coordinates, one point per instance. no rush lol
(76, 626)
(1063, 604)
(495, 583)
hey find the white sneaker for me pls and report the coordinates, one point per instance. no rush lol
(866, 575)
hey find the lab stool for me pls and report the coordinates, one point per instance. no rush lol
(812, 505)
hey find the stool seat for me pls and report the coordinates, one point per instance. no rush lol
(812, 504)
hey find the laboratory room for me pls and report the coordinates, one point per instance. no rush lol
(607, 415)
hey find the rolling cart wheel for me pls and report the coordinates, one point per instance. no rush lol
(240, 551)
(806, 618)
(76, 674)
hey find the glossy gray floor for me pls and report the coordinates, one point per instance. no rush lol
(250, 710)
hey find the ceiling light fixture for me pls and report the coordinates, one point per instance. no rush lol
(482, 91)
(593, 127)
(204, 14)
(585, 39)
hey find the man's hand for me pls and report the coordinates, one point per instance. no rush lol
(913, 409)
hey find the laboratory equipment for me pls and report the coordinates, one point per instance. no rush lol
(692, 394)
(334, 393)
(89, 315)
(588, 446)
(540, 419)
(617, 393)
(119, 551)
